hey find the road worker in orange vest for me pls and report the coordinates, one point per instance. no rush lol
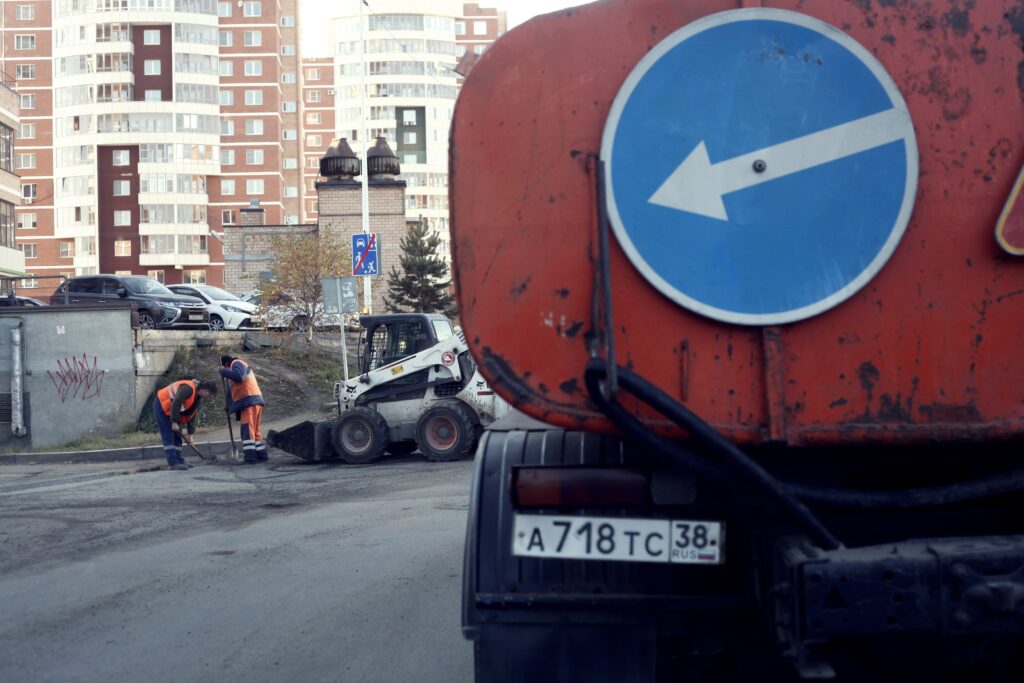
(176, 406)
(246, 402)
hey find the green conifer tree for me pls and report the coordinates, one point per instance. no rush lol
(422, 285)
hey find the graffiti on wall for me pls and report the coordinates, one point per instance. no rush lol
(77, 378)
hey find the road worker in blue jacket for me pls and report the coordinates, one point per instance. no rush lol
(176, 407)
(246, 402)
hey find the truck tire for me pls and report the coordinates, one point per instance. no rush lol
(360, 435)
(448, 431)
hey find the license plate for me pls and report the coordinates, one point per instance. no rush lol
(674, 541)
(195, 317)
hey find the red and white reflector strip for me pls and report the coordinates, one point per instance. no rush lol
(571, 487)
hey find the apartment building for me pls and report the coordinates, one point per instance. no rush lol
(318, 101)
(477, 28)
(146, 125)
(12, 261)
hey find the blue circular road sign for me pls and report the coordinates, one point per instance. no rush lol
(760, 166)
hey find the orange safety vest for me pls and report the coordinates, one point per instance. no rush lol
(245, 388)
(167, 394)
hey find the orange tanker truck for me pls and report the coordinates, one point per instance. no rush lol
(756, 269)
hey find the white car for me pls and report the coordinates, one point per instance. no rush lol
(287, 315)
(227, 311)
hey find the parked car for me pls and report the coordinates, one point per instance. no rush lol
(285, 314)
(18, 300)
(158, 306)
(227, 311)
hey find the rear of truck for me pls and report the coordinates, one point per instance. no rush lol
(719, 489)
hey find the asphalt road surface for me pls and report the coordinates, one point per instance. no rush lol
(281, 572)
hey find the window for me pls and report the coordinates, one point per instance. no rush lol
(227, 157)
(28, 191)
(253, 67)
(226, 39)
(312, 162)
(288, 50)
(227, 127)
(314, 140)
(291, 191)
(408, 117)
(254, 127)
(194, 277)
(254, 186)
(28, 221)
(291, 162)
(26, 12)
(287, 21)
(227, 187)
(154, 96)
(223, 10)
(121, 157)
(27, 160)
(227, 217)
(25, 41)
(252, 9)
(151, 67)
(158, 275)
(29, 250)
(409, 137)
(289, 106)
(479, 28)
(253, 97)
(460, 50)
(28, 283)
(122, 188)
(67, 249)
(313, 96)
(312, 74)
(25, 72)
(479, 49)
(252, 38)
(253, 157)
(151, 37)
(122, 247)
(288, 77)
(289, 134)
(460, 28)
(313, 117)
(28, 101)
(122, 219)
(227, 98)
(27, 132)
(226, 68)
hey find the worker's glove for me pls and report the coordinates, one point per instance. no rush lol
(175, 427)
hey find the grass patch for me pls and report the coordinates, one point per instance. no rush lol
(321, 371)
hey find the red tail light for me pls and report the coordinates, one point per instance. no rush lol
(579, 487)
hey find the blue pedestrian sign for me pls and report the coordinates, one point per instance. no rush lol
(760, 166)
(365, 254)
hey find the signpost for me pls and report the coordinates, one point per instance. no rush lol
(340, 297)
(365, 254)
(769, 183)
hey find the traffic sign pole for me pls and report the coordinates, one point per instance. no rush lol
(341, 329)
(367, 296)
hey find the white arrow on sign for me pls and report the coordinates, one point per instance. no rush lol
(697, 186)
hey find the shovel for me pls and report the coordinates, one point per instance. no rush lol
(231, 430)
(188, 440)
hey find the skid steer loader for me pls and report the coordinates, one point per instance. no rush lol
(418, 387)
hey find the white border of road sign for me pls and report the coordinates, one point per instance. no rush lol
(728, 17)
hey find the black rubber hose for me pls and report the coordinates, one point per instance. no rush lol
(936, 496)
(702, 434)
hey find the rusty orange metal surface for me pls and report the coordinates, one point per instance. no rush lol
(931, 349)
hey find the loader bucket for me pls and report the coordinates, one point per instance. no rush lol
(307, 440)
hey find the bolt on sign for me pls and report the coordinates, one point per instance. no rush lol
(1010, 227)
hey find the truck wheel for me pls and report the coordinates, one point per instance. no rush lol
(401, 447)
(360, 435)
(448, 431)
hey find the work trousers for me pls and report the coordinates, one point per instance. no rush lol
(254, 449)
(171, 440)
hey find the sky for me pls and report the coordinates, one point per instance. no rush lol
(316, 13)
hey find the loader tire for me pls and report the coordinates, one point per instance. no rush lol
(360, 435)
(448, 431)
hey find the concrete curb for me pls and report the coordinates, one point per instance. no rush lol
(219, 449)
